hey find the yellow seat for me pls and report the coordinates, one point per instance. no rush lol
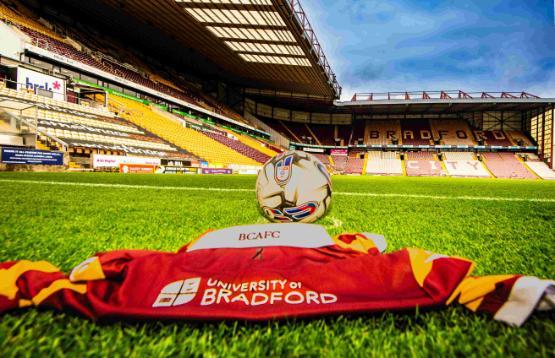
(172, 131)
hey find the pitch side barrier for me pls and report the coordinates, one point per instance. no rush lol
(392, 147)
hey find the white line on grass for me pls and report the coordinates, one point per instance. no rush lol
(337, 193)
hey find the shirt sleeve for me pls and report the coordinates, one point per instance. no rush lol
(508, 298)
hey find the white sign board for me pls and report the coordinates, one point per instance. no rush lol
(39, 81)
(113, 161)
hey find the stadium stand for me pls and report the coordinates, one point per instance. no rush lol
(46, 39)
(175, 132)
(354, 166)
(103, 133)
(325, 159)
(30, 97)
(10, 15)
(506, 165)
(537, 166)
(497, 138)
(280, 127)
(299, 131)
(340, 163)
(239, 147)
(257, 145)
(87, 127)
(345, 134)
(452, 132)
(383, 132)
(358, 133)
(464, 164)
(416, 132)
(384, 163)
(519, 138)
(9, 135)
(422, 164)
(324, 133)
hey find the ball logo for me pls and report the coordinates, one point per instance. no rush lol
(293, 214)
(178, 293)
(283, 170)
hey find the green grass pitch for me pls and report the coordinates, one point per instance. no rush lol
(66, 224)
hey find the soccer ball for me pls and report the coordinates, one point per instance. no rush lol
(293, 186)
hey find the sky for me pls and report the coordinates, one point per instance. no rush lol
(414, 45)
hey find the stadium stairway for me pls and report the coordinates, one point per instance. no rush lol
(189, 139)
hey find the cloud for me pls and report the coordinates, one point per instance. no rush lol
(474, 45)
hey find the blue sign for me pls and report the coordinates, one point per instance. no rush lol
(31, 156)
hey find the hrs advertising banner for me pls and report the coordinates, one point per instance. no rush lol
(31, 156)
(39, 82)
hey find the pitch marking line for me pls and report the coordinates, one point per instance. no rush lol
(337, 193)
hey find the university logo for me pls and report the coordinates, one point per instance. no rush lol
(283, 170)
(178, 293)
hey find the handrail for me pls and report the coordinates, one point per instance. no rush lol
(442, 95)
(310, 35)
(33, 126)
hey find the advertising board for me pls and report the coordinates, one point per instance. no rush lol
(137, 168)
(31, 156)
(216, 171)
(114, 161)
(40, 82)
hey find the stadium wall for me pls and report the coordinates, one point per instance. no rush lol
(11, 44)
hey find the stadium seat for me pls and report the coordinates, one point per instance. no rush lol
(10, 16)
(189, 139)
(324, 133)
(339, 163)
(416, 132)
(537, 166)
(354, 166)
(382, 132)
(464, 164)
(384, 163)
(520, 139)
(422, 164)
(323, 158)
(239, 147)
(452, 132)
(506, 165)
(495, 138)
(254, 144)
(344, 134)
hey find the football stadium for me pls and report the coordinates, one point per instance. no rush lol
(138, 137)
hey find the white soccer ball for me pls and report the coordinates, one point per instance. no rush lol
(293, 186)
